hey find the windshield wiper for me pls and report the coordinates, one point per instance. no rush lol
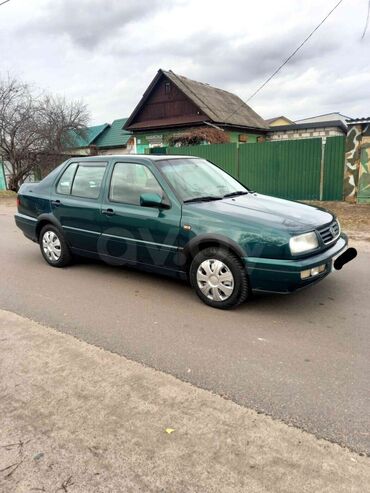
(205, 198)
(235, 194)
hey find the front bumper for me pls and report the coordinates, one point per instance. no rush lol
(284, 276)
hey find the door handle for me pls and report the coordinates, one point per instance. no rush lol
(108, 212)
(57, 203)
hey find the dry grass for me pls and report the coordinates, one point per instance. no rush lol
(7, 198)
(7, 194)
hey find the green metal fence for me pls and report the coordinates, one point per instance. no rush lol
(333, 168)
(288, 169)
(304, 169)
(2, 177)
(224, 155)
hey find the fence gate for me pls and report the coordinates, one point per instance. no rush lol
(289, 170)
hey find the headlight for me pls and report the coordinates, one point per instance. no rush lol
(303, 243)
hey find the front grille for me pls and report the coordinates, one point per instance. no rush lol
(329, 233)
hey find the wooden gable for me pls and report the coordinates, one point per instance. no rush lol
(165, 106)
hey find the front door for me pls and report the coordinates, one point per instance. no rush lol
(76, 203)
(132, 233)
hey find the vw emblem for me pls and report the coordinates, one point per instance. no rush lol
(332, 231)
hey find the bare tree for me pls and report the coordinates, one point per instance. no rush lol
(60, 120)
(35, 128)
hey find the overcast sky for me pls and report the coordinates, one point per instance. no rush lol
(107, 52)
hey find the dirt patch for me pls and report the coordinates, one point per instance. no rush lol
(354, 218)
(7, 198)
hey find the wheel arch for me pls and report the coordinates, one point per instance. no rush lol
(200, 242)
(45, 219)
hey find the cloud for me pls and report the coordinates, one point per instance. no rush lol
(230, 59)
(88, 23)
(108, 52)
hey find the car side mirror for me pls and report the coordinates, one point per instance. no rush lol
(151, 200)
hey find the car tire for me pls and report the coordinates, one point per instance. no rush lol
(219, 278)
(54, 247)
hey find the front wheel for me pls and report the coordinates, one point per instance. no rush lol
(53, 247)
(219, 278)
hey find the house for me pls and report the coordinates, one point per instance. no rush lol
(80, 143)
(328, 125)
(326, 117)
(174, 107)
(115, 139)
(101, 139)
(278, 121)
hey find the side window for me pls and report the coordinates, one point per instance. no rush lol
(65, 181)
(130, 180)
(88, 180)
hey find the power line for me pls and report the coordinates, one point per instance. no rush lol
(367, 21)
(2, 3)
(289, 57)
(295, 51)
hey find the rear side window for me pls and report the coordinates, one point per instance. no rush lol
(88, 180)
(65, 182)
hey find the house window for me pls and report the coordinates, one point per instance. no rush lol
(167, 88)
(243, 138)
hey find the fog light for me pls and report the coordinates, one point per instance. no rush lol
(315, 271)
(305, 274)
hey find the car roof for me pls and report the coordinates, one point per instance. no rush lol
(132, 157)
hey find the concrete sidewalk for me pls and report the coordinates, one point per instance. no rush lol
(75, 418)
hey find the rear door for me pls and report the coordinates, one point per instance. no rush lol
(76, 203)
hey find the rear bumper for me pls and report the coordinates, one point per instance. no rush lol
(27, 224)
(284, 276)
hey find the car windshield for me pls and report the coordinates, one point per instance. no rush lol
(197, 179)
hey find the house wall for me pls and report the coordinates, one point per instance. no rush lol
(159, 138)
(280, 121)
(234, 137)
(115, 150)
(304, 133)
(165, 102)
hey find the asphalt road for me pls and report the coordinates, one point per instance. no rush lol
(302, 358)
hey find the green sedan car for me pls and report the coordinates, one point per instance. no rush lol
(181, 216)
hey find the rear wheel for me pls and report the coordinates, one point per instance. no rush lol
(219, 278)
(53, 246)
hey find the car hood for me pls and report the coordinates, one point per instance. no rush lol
(289, 214)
